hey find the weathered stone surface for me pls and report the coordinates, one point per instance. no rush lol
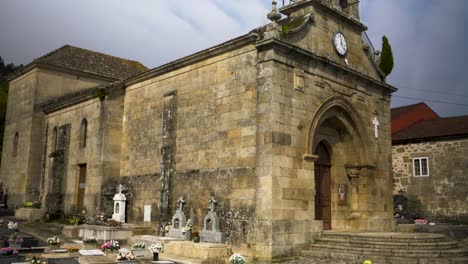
(441, 195)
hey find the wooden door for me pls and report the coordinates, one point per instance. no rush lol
(323, 186)
(81, 187)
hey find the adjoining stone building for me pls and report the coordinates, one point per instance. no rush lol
(288, 127)
(430, 163)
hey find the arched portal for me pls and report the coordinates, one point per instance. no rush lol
(323, 185)
(337, 139)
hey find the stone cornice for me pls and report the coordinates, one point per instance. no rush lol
(42, 65)
(76, 98)
(194, 58)
(429, 139)
(275, 43)
(298, 5)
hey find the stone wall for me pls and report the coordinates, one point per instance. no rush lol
(443, 194)
(212, 140)
(101, 153)
(27, 92)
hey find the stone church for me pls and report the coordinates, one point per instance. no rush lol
(287, 126)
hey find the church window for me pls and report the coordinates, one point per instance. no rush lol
(420, 167)
(54, 139)
(15, 145)
(83, 133)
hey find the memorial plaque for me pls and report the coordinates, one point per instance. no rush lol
(343, 194)
(147, 214)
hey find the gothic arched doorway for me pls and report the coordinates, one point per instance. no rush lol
(323, 185)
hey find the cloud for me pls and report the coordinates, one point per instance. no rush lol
(428, 36)
(428, 39)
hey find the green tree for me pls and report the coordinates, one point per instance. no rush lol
(386, 58)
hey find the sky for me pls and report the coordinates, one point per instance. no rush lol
(429, 37)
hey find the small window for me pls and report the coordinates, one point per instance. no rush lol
(83, 133)
(54, 139)
(344, 4)
(15, 145)
(420, 167)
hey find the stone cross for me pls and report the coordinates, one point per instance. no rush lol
(120, 188)
(376, 127)
(180, 204)
(213, 203)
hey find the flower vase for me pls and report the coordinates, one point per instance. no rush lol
(15, 245)
(196, 239)
(155, 256)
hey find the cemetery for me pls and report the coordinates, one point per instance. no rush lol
(274, 146)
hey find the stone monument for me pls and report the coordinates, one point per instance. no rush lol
(211, 232)
(119, 205)
(178, 222)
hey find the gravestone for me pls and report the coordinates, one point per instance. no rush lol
(178, 222)
(211, 232)
(119, 205)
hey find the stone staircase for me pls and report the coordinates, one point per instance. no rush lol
(389, 248)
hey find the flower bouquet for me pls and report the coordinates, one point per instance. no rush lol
(156, 249)
(35, 259)
(125, 257)
(236, 259)
(139, 249)
(12, 226)
(15, 240)
(73, 252)
(187, 227)
(112, 245)
(8, 251)
(196, 236)
(54, 242)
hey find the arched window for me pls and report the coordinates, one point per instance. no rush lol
(83, 133)
(54, 139)
(15, 145)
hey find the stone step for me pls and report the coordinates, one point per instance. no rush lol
(413, 253)
(388, 244)
(387, 237)
(382, 259)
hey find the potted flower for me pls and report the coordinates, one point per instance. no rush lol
(12, 226)
(10, 255)
(34, 259)
(54, 242)
(156, 249)
(139, 249)
(196, 236)
(125, 256)
(111, 245)
(187, 227)
(73, 252)
(236, 259)
(15, 240)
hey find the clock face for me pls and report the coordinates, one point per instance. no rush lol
(340, 44)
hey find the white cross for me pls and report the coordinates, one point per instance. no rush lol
(376, 127)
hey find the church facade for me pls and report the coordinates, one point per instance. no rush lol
(288, 127)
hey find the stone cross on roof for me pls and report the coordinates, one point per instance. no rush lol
(213, 203)
(180, 204)
(120, 188)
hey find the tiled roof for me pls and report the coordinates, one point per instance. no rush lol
(435, 128)
(92, 62)
(399, 111)
(405, 116)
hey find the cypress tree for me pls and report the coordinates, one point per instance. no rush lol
(386, 58)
